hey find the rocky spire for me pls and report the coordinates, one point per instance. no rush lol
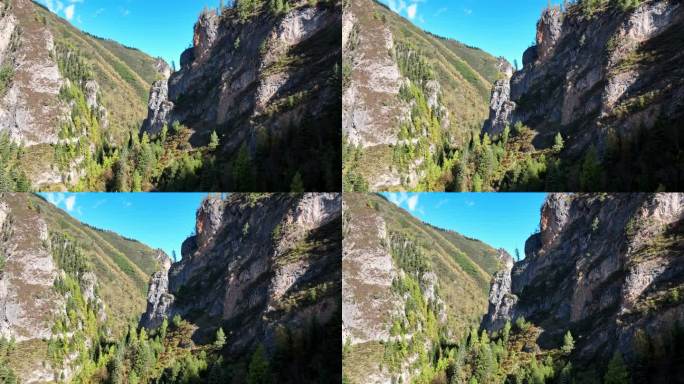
(501, 300)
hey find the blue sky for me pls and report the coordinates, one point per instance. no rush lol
(157, 27)
(502, 220)
(160, 220)
(500, 27)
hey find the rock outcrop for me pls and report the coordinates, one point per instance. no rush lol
(605, 267)
(501, 301)
(159, 300)
(501, 107)
(604, 80)
(253, 266)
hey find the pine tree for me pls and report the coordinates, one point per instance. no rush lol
(164, 328)
(297, 185)
(259, 368)
(568, 343)
(213, 141)
(220, 338)
(590, 175)
(617, 372)
(558, 143)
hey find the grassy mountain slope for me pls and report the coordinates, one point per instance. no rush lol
(122, 266)
(124, 74)
(453, 258)
(402, 128)
(66, 285)
(439, 289)
(70, 121)
(465, 74)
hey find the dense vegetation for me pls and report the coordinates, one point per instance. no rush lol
(12, 177)
(168, 354)
(7, 375)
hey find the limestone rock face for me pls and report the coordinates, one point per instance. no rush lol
(27, 269)
(209, 220)
(243, 269)
(605, 260)
(548, 31)
(500, 107)
(368, 302)
(501, 300)
(159, 300)
(233, 76)
(30, 108)
(206, 32)
(162, 68)
(158, 107)
(585, 78)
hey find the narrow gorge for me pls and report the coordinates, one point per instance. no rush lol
(255, 294)
(258, 85)
(597, 296)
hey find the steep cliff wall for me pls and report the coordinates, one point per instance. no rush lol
(257, 265)
(605, 267)
(605, 76)
(267, 81)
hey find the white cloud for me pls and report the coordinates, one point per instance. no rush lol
(69, 11)
(61, 200)
(468, 11)
(55, 198)
(441, 10)
(411, 11)
(398, 198)
(412, 202)
(70, 203)
(397, 5)
(403, 198)
(54, 5)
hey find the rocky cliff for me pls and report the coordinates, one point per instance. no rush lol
(55, 293)
(607, 268)
(266, 80)
(47, 66)
(258, 265)
(405, 285)
(408, 97)
(604, 75)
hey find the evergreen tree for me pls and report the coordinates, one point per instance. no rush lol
(590, 175)
(297, 185)
(558, 143)
(568, 343)
(617, 372)
(259, 368)
(164, 328)
(220, 338)
(213, 141)
(243, 171)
